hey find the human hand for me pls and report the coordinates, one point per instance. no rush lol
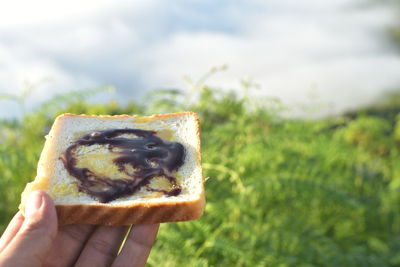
(36, 240)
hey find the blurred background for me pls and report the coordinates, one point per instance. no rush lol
(299, 104)
(338, 51)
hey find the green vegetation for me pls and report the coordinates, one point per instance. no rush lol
(280, 192)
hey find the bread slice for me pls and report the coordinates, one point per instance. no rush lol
(175, 196)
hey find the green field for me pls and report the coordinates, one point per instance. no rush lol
(280, 192)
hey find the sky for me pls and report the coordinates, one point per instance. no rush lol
(333, 52)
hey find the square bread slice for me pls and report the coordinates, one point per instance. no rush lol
(121, 170)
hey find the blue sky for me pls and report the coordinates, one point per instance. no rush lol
(334, 50)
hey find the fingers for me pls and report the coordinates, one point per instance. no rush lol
(68, 245)
(137, 246)
(102, 247)
(32, 242)
(28, 240)
(12, 230)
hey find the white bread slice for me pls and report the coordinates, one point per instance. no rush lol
(143, 206)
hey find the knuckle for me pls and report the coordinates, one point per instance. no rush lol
(77, 232)
(102, 246)
(147, 244)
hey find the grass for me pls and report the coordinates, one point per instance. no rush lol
(280, 192)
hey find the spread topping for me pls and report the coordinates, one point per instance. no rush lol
(139, 159)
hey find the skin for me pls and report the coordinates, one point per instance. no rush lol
(36, 240)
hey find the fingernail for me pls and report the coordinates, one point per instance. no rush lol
(34, 202)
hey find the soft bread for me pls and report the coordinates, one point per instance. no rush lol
(143, 206)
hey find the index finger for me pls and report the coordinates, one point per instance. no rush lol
(68, 244)
(12, 230)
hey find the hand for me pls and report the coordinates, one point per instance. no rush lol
(34, 240)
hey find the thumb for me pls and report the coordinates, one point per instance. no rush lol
(37, 233)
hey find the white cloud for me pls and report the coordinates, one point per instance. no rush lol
(290, 47)
(39, 12)
(336, 54)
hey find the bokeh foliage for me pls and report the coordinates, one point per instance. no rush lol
(280, 191)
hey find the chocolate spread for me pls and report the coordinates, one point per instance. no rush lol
(148, 154)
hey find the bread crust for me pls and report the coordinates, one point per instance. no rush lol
(103, 214)
(122, 214)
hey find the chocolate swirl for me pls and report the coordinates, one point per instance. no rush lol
(149, 156)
